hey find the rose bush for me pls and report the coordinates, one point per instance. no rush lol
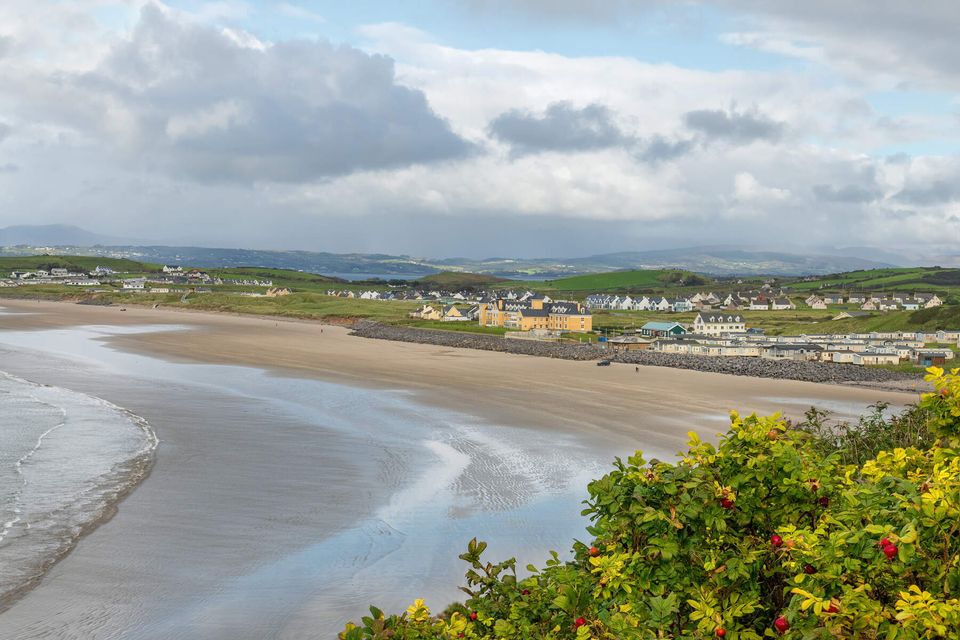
(763, 535)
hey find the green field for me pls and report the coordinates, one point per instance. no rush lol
(294, 280)
(919, 279)
(642, 280)
(458, 280)
(309, 301)
(74, 263)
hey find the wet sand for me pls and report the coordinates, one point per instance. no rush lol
(655, 407)
(279, 504)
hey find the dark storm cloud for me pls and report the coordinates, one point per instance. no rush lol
(562, 127)
(939, 192)
(847, 194)
(733, 126)
(210, 107)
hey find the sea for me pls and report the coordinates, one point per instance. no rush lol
(66, 458)
(144, 498)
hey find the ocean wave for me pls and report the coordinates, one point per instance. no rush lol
(66, 461)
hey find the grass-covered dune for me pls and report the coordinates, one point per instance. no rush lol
(807, 531)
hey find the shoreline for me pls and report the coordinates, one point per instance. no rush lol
(801, 371)
(514, 388)
(132, 472)
(202, 511)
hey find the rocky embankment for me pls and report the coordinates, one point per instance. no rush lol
(756, 367)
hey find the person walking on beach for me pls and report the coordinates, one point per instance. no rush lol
(637, 369)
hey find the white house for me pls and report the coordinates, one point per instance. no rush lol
(715, 324)
(134, 284)
(660, 304)
(170, 268)
(782, 304)
(911, 304)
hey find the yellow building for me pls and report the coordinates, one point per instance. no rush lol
(535, 313)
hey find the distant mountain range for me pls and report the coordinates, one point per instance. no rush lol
(53, 235)
(717, 261)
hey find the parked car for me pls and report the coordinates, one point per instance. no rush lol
(603, 363)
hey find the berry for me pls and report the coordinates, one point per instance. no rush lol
(579, 622)
(525, 592)
(473, 615)
(773, 434)
(809, 569)
(721, 632)
(890, 551)
(781, 624)
(885, 542)
(776, 541)
(824, 501)
(726, 503)
(833, 608)
(594, 552)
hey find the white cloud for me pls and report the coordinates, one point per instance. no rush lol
(188, 115)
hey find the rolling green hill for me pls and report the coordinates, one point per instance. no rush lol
(461, 279)
(626, 281)
(75, 263)
(924, 279)
(945, 317)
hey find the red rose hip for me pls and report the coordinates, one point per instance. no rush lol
(781, 624)
(890, 551)
(776, 541)
(579, 622)
(721, 632)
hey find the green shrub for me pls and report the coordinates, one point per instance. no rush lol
(768, 534)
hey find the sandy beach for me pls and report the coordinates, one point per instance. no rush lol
(616, 402)
(303, 472)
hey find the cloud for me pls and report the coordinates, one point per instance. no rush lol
(561, 127)
(5, 131)
(849, 194)
(885, 42)
(734, 127)
(937, 192)
(565, 10)
(214, 105)
(9, 167)
(660, 149)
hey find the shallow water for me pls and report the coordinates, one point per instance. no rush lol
(65, 458)
(281, 507)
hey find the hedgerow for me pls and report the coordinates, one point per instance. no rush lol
(767, 534)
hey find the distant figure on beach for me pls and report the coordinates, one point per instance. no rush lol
(637, 369)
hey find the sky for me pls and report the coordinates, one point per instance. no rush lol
(484, 128)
